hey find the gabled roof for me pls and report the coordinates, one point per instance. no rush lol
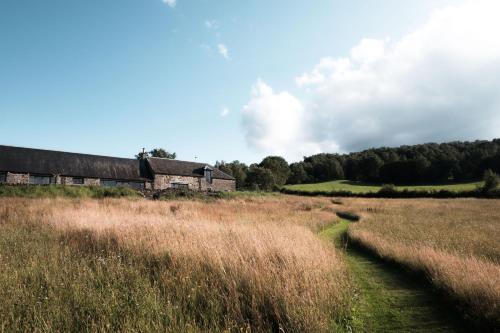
(182, 168)
(49, 162)
(38, 161)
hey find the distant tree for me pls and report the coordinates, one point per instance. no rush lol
(236, 169)
(224, 167)
(369, 167)
(323, 167)
(328, 169)
(430, 162)
(351, 168)
(400, 172)
(279, 168)
(491, 162)
(298, 174)
(162, 153)
(441, 169)
(491, 181)
(157, 152)
(260, 178)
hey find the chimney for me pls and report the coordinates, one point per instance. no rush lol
(143, 154)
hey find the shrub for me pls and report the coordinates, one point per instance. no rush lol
(54, 191)
(388, 188)
(491, 181)
(261, 178)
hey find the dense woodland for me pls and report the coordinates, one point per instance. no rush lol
(424, 163)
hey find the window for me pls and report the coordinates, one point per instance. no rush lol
(136, 185)
(3, 177)
(42, 180)
(180, 186)
(120, 183)
(77, 181)
(109, 183)
(208, 175)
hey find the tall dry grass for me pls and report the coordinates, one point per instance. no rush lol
(456, 243)
(121, 265)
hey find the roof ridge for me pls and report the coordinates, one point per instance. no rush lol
(176, 160)
(68, 152)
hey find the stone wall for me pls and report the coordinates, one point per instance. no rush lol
(24, 178)
(223, 185)
(162, 182)
(204, 185)
(18, 178)
(92, 182)
(218, 185)
(66, 180)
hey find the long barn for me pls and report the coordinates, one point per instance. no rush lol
(44, 167)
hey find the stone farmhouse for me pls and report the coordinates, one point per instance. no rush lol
(44, 167)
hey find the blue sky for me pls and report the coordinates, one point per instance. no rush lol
(110, 77)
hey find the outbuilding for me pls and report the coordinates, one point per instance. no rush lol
(44, 167)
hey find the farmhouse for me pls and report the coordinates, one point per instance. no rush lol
(43, 167)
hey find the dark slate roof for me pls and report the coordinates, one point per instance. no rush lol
(38, 161)
(182, 168)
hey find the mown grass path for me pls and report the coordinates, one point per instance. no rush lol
(390, 299)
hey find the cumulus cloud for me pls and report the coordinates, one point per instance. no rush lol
(170, 3)
(224, 112)
(273, 122)
(223, 50)
(438, 83)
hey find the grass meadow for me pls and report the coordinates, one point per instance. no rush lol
(243, 263)
(359, 187)
(455, 243)
(246, 264)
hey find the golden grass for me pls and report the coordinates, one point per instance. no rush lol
(244, 264)
(456, 243)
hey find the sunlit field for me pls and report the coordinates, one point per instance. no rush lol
(456, 243)
(360, 187)
(247, 264)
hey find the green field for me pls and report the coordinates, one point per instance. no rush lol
(359, 187)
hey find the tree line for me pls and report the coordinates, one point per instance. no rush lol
(411, 164)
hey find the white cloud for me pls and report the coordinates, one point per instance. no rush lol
(274, 120)
(223, 51)
(224, 112)
(438, 83)
(211, 24)
(170, 3)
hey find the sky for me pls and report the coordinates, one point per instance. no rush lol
(240, 80)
